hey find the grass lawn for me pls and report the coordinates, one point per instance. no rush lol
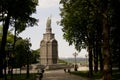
(116, 75)
(98, 75)
(21, 77)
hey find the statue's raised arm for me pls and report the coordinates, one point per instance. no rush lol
(48, 22)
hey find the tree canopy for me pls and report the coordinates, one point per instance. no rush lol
(17, 13)
(93, 23)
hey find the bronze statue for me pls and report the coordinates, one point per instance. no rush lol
(48, 22)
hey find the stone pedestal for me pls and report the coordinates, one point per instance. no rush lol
(48, 47)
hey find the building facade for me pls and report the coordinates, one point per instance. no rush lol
(48, 46)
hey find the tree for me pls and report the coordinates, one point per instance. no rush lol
(22, 55)
(114, 33)
(11, 11)
(8, 51)
(106, 53)
(81, 21)
(35, 56)
(27, 48)
(1, 33)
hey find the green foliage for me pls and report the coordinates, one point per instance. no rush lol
(93, 23)
(10, 36)
(79, 20)
(82, 21)
(19, 10)
(21, 47)
(114, 32)
(62, 61)
(15, 13)
(22, 50)
(97, 76)
(23, 53)
(1, 32)
(35, 55)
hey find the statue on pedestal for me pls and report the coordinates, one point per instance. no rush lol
(48, 24)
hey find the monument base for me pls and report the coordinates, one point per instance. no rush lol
(53, 66)
(56, 66)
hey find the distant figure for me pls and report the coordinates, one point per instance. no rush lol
(43, 70)
(76, 67)
(40, 73)
(65, 70)
(69, 71)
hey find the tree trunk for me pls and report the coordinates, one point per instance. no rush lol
(101, 60)
(99, 50)
(13, 50)
(1, 65)
(95, 54)
(95, 60)
(27, 66)
(119, 66)
(27, 71)
(90, 62)
(3, 43)
(106, 53)
(20, 70)
(118, 59)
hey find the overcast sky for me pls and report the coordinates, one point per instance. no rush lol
(45, 9)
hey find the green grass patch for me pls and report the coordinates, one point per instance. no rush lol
(21, 77)
(116, 75)
(98, 75)
(80, 73)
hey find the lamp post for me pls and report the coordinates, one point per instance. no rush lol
(75, 55)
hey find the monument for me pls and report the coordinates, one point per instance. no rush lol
(48, 47)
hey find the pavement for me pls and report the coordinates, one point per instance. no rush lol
(60, 75)
(56, 74)
(83, 68)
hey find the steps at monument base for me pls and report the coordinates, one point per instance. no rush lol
(56, 66)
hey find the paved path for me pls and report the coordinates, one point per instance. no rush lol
(60, 75)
